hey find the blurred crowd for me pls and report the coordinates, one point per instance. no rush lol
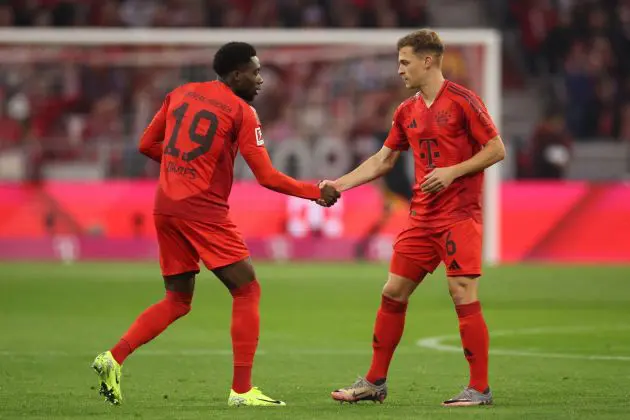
(69, 104)
(87, 103)
(578, 51)
(72, 104)
(214, 13)
(583, 46)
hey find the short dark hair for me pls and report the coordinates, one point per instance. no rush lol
(423, 40)
(231, 56)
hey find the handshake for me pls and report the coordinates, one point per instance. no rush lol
(328, 193)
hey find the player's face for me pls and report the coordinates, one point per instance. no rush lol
(413, 67)
(248, 80)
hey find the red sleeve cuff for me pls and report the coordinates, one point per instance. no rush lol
(313, 192)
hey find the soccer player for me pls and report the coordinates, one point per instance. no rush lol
(196, 135)
(453, 139)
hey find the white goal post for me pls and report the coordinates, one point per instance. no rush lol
(489, 39)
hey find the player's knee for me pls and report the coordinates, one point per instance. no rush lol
(180, 303)
(395, 292)
(399, 288)
(249, 290)
(463, 290)
(458, 294)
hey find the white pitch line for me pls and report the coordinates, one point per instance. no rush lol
(433, 343)
(436, 343)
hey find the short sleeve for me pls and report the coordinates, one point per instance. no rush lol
(480, 124)
(397, 139)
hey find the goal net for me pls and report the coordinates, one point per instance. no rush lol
(84, 96)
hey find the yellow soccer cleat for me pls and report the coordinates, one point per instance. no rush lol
(109, 372)
(254, 398)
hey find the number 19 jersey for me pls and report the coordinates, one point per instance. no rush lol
(203, 126)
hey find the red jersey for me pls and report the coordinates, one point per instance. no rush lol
(196, 135)
(450, 131)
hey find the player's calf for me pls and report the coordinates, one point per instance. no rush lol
(361, 390)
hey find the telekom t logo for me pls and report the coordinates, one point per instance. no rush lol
(429, 151)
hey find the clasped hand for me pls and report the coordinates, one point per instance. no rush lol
(328, 193)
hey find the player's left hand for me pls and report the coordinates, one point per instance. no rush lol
(438, 180)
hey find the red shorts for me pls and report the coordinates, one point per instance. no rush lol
(184, 242)
(419, 250)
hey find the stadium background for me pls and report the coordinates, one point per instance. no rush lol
(74, 189)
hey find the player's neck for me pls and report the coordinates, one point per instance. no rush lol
(224, 82)
(431, 87)
(227, 85)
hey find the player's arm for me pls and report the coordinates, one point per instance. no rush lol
(381, 162)
(493, 151)
(484, 132)
(153, 136)
(374, 167)
(252, 148)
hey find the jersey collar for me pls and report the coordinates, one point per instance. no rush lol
(442, 88)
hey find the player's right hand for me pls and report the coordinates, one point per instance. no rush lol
(328, 194)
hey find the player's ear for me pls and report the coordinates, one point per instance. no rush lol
(428, 60)
(234, 77)
(240, 76)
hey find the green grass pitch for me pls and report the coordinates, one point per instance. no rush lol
(561, 342)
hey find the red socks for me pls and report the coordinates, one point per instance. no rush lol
(245, 330)
(388, 329)
(475, 340)
(390, 323)
(152, 322)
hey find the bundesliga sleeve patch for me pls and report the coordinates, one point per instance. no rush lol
(259, 137)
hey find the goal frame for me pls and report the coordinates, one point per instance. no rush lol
(491, 80)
